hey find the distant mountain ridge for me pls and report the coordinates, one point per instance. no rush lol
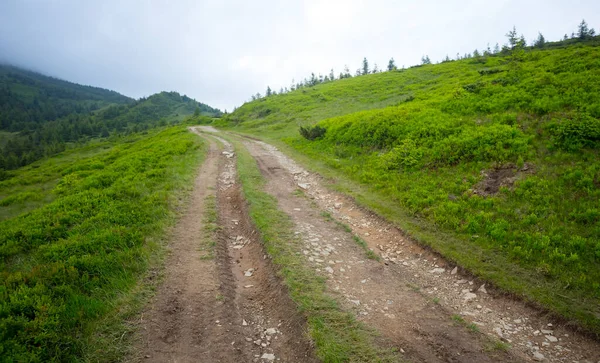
(39, 114)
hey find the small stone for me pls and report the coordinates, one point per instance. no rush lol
(479, 307)
(551, 338)
(498, 331)
(249, 272)
(544, 331)
(337, 205)
(303, 186)
(517, 321)
(244, 322)
(355, 302)
(147, 356)
(268, 356)
(271, 331)
(405, 263)
(248, 286)
(482, 289)
(537, 356)
(469, 296)
(454, 271)
(438, 270)
(329, 269)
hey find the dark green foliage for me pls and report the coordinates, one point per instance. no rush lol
(312, 133)
(574, 134)
(66, 264)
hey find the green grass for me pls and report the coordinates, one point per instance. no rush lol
(209, 229)
(338, 337)
(414, 146)
(72, 269)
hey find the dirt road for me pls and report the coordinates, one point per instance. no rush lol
(233, 308)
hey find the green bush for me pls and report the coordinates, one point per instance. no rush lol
(312, 133)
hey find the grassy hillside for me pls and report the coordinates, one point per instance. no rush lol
(493, 161)
(78, 231)
(41, 116)
(28, 98)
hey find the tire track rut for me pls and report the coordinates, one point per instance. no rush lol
(230, 308)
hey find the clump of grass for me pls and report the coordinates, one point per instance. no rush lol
(337, 335)
(369, 252)
(210, 228)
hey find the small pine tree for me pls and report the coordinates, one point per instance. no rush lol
(331, 75)
(365, 66)
(476, 54)
(496, 48)
(512, 37)
(269, 92)
(583, 31)
(391, 65)
(375, 69)
(540, 42)
(425, 60)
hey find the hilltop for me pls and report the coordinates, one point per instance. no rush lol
(41, 116)
(492, 161)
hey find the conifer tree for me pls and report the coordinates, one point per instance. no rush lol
(391, 65)
(540, 42)
(365, 66)
(425, 60)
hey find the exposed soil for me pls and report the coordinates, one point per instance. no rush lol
(231, 308)
(428, 308)
(502, 176)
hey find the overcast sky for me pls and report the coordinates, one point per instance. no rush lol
(222, 51)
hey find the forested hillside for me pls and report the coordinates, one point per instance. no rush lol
(40, 116)
(492, 160)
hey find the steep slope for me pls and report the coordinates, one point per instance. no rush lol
(493, 161)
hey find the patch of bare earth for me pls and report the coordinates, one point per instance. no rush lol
(231, 308)
(421, 304)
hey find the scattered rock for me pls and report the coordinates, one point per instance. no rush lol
(438, 270)
(544, 331)
(337, 205)
(329, 269)
(304, 186)
(249, 272)
(244, 322)
(468, 296)
(537, 356)
(355, 302)
(551, 338)
(454, 271)
(271, 331)
(482, 289)
(268, 356)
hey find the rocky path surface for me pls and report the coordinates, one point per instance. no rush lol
(425, 306)
(225, 305)
(228, 305)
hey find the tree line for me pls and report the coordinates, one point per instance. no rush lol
(515, 41)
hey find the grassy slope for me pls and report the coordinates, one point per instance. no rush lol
(70, 268)
(415, 142)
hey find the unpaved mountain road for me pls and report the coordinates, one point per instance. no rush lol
(233, 307)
